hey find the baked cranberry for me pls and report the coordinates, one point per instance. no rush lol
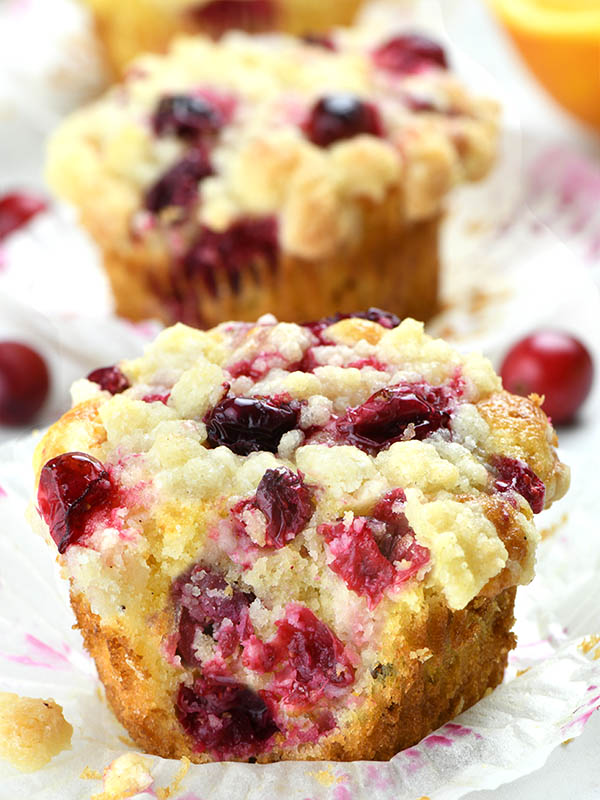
(410, 53)
(375, 552)
(218, 16)
(554, 365)
(206, 602)
(308, 660)
(323, 40)
(24, 383)
(385, 318)
(397, 540)
(341, 116)
(286, 503)
(109, 379)
(72, 487)
(514, 474)
(357, 557)
(242, 247)
(249, 424)
(179, 184)
(224, 717)
(394, 413)
(186, 116)
(157, 398)
(16, 209)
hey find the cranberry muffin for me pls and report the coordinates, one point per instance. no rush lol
(296, 542)
(138, 26)
(228, 179)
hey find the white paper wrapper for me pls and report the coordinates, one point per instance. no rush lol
(509, 275)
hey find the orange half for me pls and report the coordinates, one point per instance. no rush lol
(560, 41)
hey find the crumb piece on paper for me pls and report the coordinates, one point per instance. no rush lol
(422, 654)
(589, 643)
(32, 731)
(522, 671)
(326, 778)
(169, 791)
(546, 533)
(124, 777)
(89, 774)
(567, 741)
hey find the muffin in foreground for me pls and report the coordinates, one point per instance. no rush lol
(229, 179)
(296, 542)
(127, 29)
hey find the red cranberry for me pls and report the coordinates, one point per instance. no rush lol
(385, 318)
(410, 53)
(240, 248)
(365, 552)
(224, 717)
(514, 474)
(157, 398)
(358, 559)
(72, 487)
(186, 116)
(341, 116)
(16, 209)
(24, 383)
(552, 364)
(219, 16)
(179, 184)
(397, 540)
(308, 660)
(109, 379)
(286, 503)
(249, 424)
(323, 40)
(390, 414)
(207, 603)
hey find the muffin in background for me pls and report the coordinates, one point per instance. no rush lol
(231, 178)
(137, 26)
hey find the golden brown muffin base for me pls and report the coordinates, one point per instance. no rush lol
(391, 265)
(127, 29)
(408, 700)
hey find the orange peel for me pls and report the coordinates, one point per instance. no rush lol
(560, 42)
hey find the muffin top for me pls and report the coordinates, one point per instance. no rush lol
(299, 132)
(274, 435)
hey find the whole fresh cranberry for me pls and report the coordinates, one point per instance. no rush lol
(24, 383)
(72, 487)
(224, 717)
(16, 209)
(286, 503)
(341, 116)
(248, 424)
(410, 53)
(186, 116)
(178, 186)
(109, 379)
(553, 364)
